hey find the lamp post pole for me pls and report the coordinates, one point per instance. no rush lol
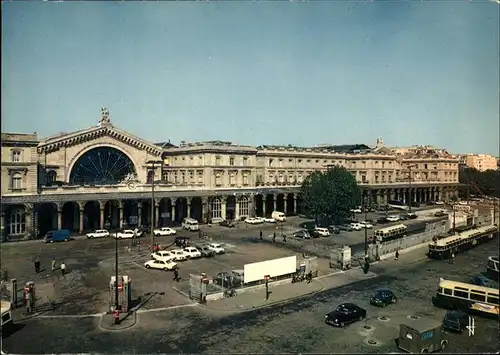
(365, 202)
(116, 273)
(153, 207)
(409, 187)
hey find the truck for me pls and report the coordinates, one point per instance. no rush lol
(422, 335)
(279, 216)
(62, 235)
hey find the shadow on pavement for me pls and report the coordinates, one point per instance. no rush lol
(13, 328)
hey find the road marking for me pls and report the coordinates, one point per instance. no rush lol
(48, 316)
(167, 308)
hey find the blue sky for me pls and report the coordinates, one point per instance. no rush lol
(257, 72)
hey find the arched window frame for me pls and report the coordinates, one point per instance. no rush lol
(216, 208)
(17, 221)
(244, 206)
(16, 181)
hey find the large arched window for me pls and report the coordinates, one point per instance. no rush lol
(17, 181)
(216, 208)
(17, 223)
(244, 207)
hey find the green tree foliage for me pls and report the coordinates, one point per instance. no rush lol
(487, 181)
(329, 196)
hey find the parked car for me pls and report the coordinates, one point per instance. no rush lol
(228, 224)
(164, 231)
(356, 210)
(393, 218)
(412, 215)
(334, 229)
(366, 224)
(356, 226)
(382, 220)
(252, 220)
(259, 220)
(205, 251)
(217, 248)
(192, 252)
(99, 233)
(125, 234)
(403, 217)
(323, 232)
(481, 280)
(163, 264)
(179, 254)
(344, 314)
(269, 220)
(62, 235)
(346, 227)
(162, 254)
(439, 214)
(456, 321)
(383, 298)
(302, 233)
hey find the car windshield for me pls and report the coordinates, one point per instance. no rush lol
(341, 309)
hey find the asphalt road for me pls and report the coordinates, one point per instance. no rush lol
(297, 326)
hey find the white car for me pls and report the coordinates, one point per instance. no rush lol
(192, 252)
(356, 210)
(126, 234)
(99, 233)
(179, 254)
(137, 232)
(164, 231)
(217, 248)
(163, 254)
(269, 220)
(324, 232)
(356, 226)
(366, 224)
(162, 264)
(260, 220)
(252, 220)
(393, 218)
(439, 203)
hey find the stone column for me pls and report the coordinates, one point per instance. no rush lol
(172, 209)
(120, 215)
(204, 210)
(264, 203)
(404, 195)
(157, 213)
(251, 206)
(28, 220)
(285, 204)
(188, 203)
(101, 221)
(295, 204)
(274, 202)
(139, 213)
(237, 210)
(223, 207)
(59, 217)
(80, 223)
(414, 195)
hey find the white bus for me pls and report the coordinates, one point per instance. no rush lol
(390, 233)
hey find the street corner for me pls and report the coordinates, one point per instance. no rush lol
(109, 322)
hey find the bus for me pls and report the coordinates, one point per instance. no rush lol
(6, 315)
(466, 297)
(390, 233)
(492, 268)
(397, 205)
(443, 248)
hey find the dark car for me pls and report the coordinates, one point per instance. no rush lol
(334, 229)
(481, 280)
(181, 241)
(412, 215)
(456, 321)
(346, 227)
(404, 217)
(302, 233)
(205, 250)
(382, 298)
(439, 214)
(382, 220)
(227, 223)
(344, 314)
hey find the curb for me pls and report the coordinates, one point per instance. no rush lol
(246, 309)
(134, 314)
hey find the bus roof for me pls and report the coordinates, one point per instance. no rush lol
(391, 228)
(452, 284)
(464, 235)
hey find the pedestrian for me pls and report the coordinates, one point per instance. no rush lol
(63, 268)
(396, 255)
(53, 264)
(176, 274)
(274, 237)
(37, 265)
(452, 260)
(260, 234)
(284, 238)
(309, 277)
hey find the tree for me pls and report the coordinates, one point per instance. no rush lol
(486, 181)
(329, 196)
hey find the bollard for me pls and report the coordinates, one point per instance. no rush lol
(13, 293)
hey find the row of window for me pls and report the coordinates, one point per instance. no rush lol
(473, 295)
(217, 207)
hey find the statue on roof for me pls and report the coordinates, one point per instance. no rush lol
(105, 120)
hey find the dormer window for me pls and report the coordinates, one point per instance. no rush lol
(231, 161)
(16, 156)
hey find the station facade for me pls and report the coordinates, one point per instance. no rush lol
(104, 177)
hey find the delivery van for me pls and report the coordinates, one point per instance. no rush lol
(279, 216)
(61, 235)
(423, 335)
(190, 224)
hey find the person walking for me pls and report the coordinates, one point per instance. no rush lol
(176, 274)
(37, 265)
(274, 237)
(309, 277)
(260, 234)
(53, 264)
(63, 268)
(452, 259)
(284, 238)
(396, 255)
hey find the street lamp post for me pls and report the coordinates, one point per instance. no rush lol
(153, 164)
(409, 187)
(116, 273)
(365, 202)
